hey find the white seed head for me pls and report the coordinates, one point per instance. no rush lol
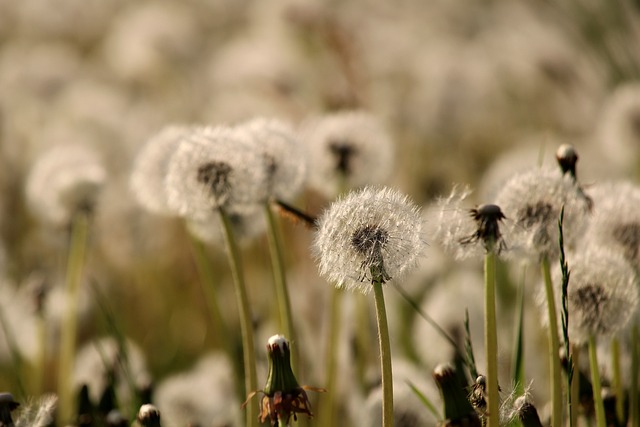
(278, 341)
(347, 149)
(282, 153)
(213, 168)
(602, 294)
(148, 412)
(369, 228)
(38, 412)
(532, 202)
(64, 180)
(566, 151)
(615, 220)
(150, 168)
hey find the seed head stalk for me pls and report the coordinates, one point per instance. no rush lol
(248, 350)
(385, 350)
(634, 417)
(595, 383)
(617, 378)
(280, 281)
(75, 262)
(327, 410)
(490, 335)
(554, 347)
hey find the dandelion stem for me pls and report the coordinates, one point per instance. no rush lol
(517, 374)
(249, 357)
(617, 378)
(554, 347)
(634, 417)
(75, 262)
(574, 388)
(490, 336)
(280, 281)
(363, 337)
(385, 354)
(327, 413)
(595, 383)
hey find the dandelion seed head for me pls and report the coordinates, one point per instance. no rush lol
(283, 156)
(38, 412)
(370, 228)
(150, 168)
(532, 201)
(213, 168)
(347, 149)
(64, 181)
(615, 220)
(602, 296)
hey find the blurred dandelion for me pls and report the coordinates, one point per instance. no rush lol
(38, 412)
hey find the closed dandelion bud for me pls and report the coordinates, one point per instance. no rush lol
(567, 158)
(116, 419)
(148, 416)
(457, 408)
(532, 202)
(370, 234)
(282, 156)
(602, 295)
(64, 181)
(526, 412)
(7, 404)
(215, 168)
(283, 396)
(347, 150)
(150, 169)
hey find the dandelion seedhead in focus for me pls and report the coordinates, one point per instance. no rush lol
(150, 168)
(532, 201)
(38, 412)
(283, 396)
(282, 154)
(373, 231)
(64, 181)
(213, 168)
(348, 150)
(602, 296)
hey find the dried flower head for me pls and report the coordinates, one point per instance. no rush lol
(150, 168)
(533, 201)
(64, 181)
(466, 232)
(283, 156)
(615, 223)
(149, 416)
(283, 396)
(349, 150)
(567, 158)
(213, 168)
(38, 412)
(368, 233)
(603, 294)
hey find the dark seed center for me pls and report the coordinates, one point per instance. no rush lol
(343, 153)
(628, 235)
(538, 213)
(369, 239)
(590, 299)
(215, 175)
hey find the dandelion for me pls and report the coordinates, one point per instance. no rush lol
(150, 168)
(458, 409)
(38, 412)
(246, 228)
(524, 411)
(63, 182)
(283, 396)
(369, 234)
(215, 168)
(364, 240)
(148, 416)
(349, 150)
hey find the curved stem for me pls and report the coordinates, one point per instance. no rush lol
(244, 313)
(280, 281)
(75, 262)
(385, 355)
(490, 337)
(595, 383)
(554, 347)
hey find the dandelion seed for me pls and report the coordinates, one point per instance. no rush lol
(215, 168)
(282, 154)
(64, 181)
(370, 231)
(603, 294)
(150, 168)
(347, 150)
(38, 412)
(532, 201)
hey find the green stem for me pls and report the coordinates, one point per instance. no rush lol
(574, 387)
(363, 338)
(633, 393)
(517, 374)
(280, 281)
(385, 355)
(554, 347)
(242, 299)
(490, 337)
(617, 378)
(327, 413)
(77, 249)
(595, 383)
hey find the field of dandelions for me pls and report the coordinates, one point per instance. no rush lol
(288, 212)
